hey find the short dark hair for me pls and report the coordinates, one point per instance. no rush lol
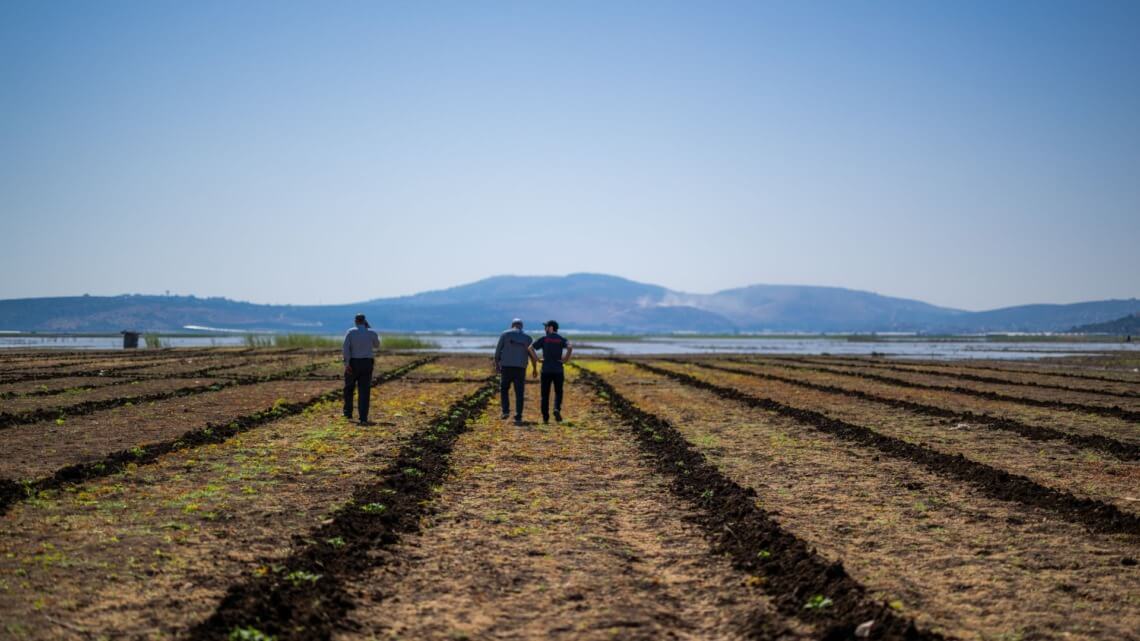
(551, 323)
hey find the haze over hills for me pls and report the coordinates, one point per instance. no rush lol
(593, 302)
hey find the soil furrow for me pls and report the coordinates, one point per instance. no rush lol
(126, 365)
(1065, 421)
(12, 491)
(1083, 472)
(943, 552)
(1118, 449)
(560, 531)
(87, 407)
(148, 553)
(306, 599)
(32, 389)
(1096, 515)
(1102, 410)
(729, 514)
(973, 377)
(1032, 370)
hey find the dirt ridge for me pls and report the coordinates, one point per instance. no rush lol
(1118, 449)
(87, 407)
(1114, 411)
(729, 515)
(12, 491)
(991, 481)
(969, 377)
(313, 607)
(100, 371)
(1005, 370)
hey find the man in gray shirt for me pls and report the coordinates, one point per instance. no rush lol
(358, 345)
(511, 355)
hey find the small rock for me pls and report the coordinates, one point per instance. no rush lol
(1128, 561)
(863, 630)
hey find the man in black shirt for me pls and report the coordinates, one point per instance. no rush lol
(552, 345)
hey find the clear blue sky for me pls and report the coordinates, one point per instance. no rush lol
(968, 154)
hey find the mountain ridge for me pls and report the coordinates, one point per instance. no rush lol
(582, 301)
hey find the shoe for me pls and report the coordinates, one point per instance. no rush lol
(504, 416)
(546, 420)
(347, 417)
(518, 421)
(558, 416)
(365, 422)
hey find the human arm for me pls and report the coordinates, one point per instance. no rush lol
(569, 351)
(533, 360)
(346, 350)
(375, 339)
(499, 350)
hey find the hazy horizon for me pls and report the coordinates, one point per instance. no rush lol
(969, 155)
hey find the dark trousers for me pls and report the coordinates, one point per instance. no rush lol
(360, 380)
(515, 376)
(555, 378)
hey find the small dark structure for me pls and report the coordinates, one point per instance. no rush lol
(130, 339)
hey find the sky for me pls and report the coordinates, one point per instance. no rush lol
(968, 154)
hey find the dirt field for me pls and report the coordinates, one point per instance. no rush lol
(220, 494)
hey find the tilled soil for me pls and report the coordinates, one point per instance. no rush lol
(36, 450)
(559, 531)
(1086, 473)
(139, 365)
(1065, 421)
(149, 552)
(1076, 400)
(1103, 387)
(789, 512)
(961, 563)
(133, 389)
(1102, 444)
(273, 366)
(53, 386)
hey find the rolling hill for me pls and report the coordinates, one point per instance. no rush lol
(594, 302)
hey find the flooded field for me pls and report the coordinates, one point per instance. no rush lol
(966, 347)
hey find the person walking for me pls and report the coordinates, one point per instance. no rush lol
(511, 355)
(552, 345)
(358, 345)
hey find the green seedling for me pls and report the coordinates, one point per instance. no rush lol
(250, 634)
(336, 542)
(413, 472)
(763, 554)
(818, 602)
(374, 508)
(301, 577)
(60, 421)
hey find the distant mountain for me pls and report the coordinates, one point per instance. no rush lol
(594, 302)
(1126, 326)
(820, 309)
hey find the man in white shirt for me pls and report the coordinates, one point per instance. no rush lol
(358, 345)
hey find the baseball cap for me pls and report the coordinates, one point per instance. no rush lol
(516, 321)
